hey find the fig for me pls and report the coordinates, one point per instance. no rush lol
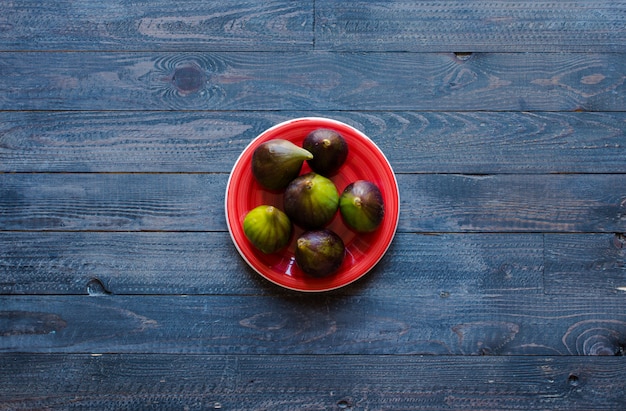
(361, 206)
(268, 228)
(276, 162)
(311, 200)
(329, 150)
(319, 253)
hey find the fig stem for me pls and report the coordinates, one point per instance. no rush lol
(326, 142)
(272, 213)
(357, 201)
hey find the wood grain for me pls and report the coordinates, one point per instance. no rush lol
(429, 202)
(520, 203)
(505, 123)
(312, 81)
(592, 263)
(207, 263)
(113, 202)
(194, 382)
(447, 26)
(492, 26)
(99, 263)
(157, 25)
(458, 324)
(414, 142)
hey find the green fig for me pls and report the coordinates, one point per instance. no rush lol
(311, 200)
(361, 206)
(267, 228)
(276, 162)
(319, 253)
(329, 150)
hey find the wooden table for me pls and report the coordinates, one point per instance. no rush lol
(505, 285)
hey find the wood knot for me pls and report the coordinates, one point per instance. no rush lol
(29, 323)
(596, 337)
(188, 79)
(485, 337)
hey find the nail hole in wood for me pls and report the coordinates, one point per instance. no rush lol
(573, 380)
(343, 404)
(463, 56)
(96, 288)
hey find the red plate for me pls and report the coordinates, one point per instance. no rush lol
(365, 161)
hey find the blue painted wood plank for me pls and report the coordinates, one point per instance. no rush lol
(471, 26)
(208, 263)
(195, 25)
(312, 81)
(429, 203)
(443, 26)
(414, 142)
(588, 263)
(195, 382)
(458, 324)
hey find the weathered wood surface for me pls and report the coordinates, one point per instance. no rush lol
(200, 382)
(428, 202)
(458, 324)
(527, 25)
(207, 263)
(241, 382)
(274, 25)
(312, 81)
(414, 142)
(586, 264)
(471, 26)
(504, 287)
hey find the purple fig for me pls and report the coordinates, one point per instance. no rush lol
(311, 200)
(329, 150)
(361, 206)
(319, 253)
(276, 162)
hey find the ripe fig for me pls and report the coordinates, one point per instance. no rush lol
(267, 228)
(311, 200)
(329, 150)
(319, 253)
(362, 206)
(276, 162)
